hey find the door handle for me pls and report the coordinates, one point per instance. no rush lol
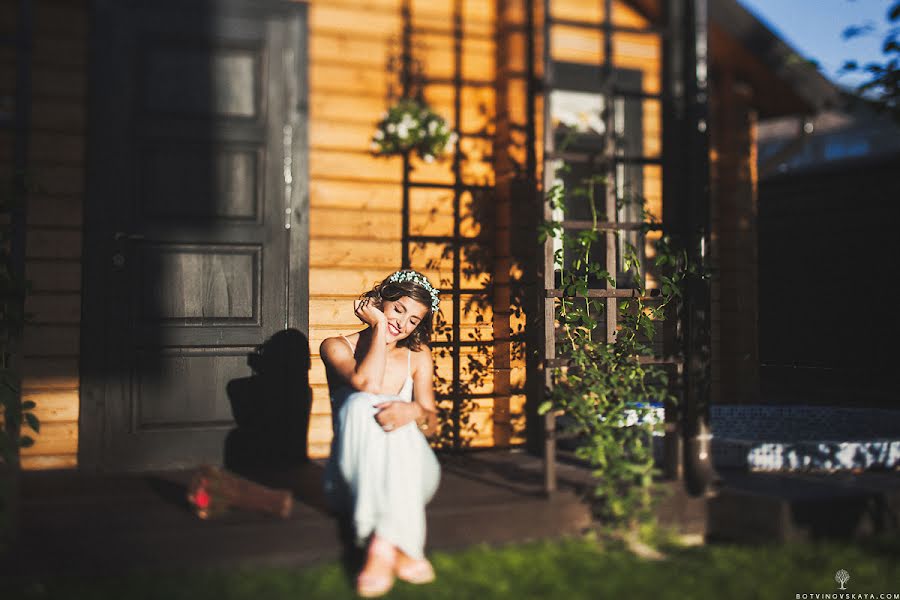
(118, 258)
(118, 261)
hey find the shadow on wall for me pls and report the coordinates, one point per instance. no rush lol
(271, 407)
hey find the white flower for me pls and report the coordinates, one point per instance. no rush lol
(418, 278)
(379, 135)
(375, 145)
(428, 158)
(432, 125)
(402, 132)
(391, 128)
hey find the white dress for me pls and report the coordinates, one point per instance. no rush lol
(385, 478)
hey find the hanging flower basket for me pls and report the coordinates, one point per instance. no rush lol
(410, 125)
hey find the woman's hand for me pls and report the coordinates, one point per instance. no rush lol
(368, 313)
(394, 414)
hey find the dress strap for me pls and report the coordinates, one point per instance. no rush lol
(408, 357)
(349, 344)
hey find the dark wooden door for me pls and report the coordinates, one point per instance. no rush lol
(196, 191)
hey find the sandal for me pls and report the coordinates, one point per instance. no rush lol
(371, 585)
(416, 571)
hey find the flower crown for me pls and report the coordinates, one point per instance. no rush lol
(418, 278)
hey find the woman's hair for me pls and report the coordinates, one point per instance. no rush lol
(394, 290)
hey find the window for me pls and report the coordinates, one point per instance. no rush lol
(577, 106)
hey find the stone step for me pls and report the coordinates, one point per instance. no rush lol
(781, 507)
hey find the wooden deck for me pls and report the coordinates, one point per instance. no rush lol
(79, 523)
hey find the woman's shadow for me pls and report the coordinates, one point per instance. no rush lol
(271, 410)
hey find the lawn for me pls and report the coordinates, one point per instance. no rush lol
(571, 569)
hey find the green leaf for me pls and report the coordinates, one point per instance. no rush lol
(33, 422)
(545, 407)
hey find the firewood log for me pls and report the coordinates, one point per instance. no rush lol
(214, 490)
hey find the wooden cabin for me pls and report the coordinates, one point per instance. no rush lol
(203, 180)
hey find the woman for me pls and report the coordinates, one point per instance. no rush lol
(382, 468)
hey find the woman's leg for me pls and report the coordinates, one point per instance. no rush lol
(391, 475)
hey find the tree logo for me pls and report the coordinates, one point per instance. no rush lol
(842, 577)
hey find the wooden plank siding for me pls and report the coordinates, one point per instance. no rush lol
(355, 198)
(56, 168)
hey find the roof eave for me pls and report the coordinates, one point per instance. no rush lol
(785, 62)
(810, 87)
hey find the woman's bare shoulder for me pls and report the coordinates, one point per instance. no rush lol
(353, 338)
(422, 356)
(333, 344)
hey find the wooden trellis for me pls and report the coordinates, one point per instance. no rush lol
(679, 32)
(413, 79)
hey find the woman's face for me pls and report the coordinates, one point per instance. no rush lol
(403, 315)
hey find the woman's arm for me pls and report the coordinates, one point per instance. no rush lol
(397, 413)
(423, 393)
(368, 374)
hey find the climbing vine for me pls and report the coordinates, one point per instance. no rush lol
(605, 393)
(14, 413)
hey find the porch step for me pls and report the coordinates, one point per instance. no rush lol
(76, 523)
(471, 506)
(754, 507)
(502, 523)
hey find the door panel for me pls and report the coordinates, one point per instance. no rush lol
(229, 81)
(187, 238)
(233, 191)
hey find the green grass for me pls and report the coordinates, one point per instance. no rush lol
(572, 569)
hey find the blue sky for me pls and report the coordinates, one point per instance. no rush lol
(814, 27)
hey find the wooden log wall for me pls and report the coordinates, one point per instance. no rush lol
(355, 199)
(56, 168)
